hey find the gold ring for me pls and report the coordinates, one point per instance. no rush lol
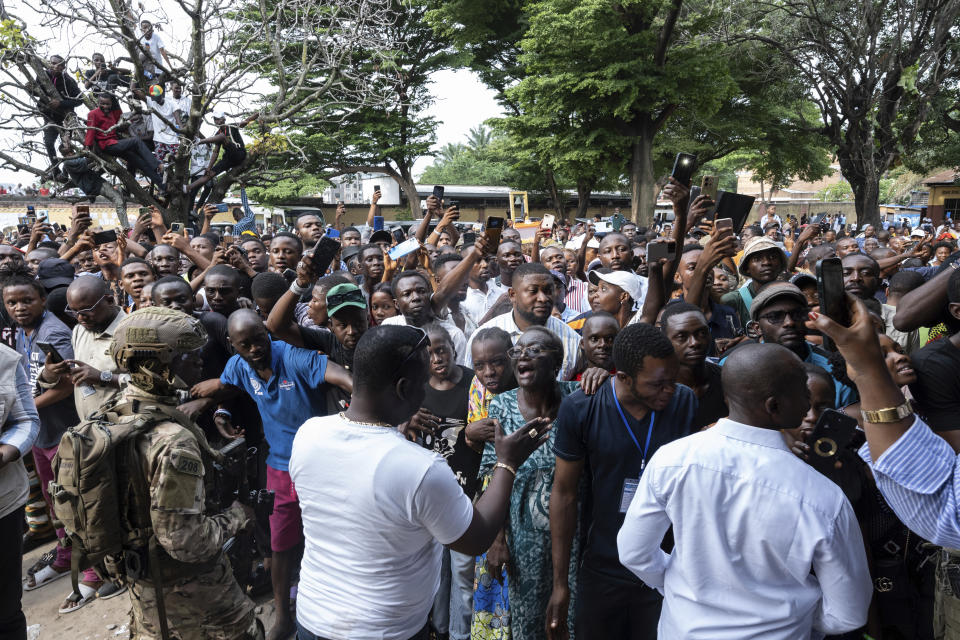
(534, 434)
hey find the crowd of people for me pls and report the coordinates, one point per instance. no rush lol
(488, 438)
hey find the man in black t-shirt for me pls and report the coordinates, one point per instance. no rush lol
(686, 327)
(348, 319)
(613, 433)
(937, 389)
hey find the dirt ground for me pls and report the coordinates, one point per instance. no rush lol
(98, 620)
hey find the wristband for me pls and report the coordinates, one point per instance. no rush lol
(504, 465)
(223, 412)
(297, 289)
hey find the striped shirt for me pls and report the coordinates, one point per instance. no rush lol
(569, 338)
(919, 476)
(248, 222)
(23, 423)
(576, 297)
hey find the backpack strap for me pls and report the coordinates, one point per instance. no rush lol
(746, 295)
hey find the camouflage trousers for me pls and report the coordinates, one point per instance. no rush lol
(946, 612)
(209, 606)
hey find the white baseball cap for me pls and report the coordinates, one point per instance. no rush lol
(626, 280)
(218, 115)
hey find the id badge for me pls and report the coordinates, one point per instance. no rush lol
(629, 490)
(86, 391)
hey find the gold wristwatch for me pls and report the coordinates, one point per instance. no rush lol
(890, 414)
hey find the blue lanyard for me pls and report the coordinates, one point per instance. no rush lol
(626, 425)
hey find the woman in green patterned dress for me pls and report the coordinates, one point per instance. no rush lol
(524, 546)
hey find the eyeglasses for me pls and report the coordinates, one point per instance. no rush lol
(424, 340)
(777, 317)
(351, 296)
(533, 351)
(85, 312)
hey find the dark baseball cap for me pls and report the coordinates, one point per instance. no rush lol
(54, 272)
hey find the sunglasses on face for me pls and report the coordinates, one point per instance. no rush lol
(777, 317)
(84, 312)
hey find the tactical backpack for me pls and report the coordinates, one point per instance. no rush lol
(96, 470)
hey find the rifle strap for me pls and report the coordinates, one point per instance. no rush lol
(157, 579)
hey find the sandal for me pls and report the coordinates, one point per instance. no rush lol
(45, 576)
(76, 600)
(110, 589)
(45, 561)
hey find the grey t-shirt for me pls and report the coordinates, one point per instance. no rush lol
(55, 419)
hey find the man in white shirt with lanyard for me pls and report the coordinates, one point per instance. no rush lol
(765, 545)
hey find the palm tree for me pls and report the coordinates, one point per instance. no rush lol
(479, 138)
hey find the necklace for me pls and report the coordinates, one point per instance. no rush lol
(382, 425)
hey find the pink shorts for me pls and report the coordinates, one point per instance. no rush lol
(286, 525)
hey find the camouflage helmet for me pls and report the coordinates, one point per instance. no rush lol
(155, 333)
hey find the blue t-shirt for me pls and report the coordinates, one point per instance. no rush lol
(589, 428)
(292, 396)
(56, 418)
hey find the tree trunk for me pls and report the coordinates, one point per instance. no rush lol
(555, 195)
(584, 188)
(866, 196)
(643, 186)
(409, 187)
(864, 180)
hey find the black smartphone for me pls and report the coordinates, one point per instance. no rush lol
(833, 298)
(684, 166)
(438, 191)
(658, 250)
(376, 188)
(51, 351)
(833, 433)
(103, 237)
(398, 236)
(469, 237)
(142, 211)
(493, 230)
(323, 255)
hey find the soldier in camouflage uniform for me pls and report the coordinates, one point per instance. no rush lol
(201, 597)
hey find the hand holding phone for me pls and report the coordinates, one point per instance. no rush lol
(50, 351)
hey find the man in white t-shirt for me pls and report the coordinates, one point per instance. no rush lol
(164, 111)
(377, 507)
(152, 48)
